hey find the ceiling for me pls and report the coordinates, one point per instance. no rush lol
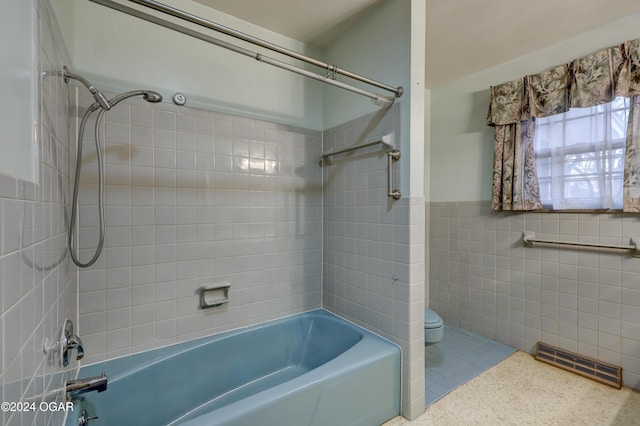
(462, 36)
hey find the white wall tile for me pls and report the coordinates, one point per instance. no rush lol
(171, 230)
(165, 120)
(117, 133)
(118, 318)
(366, 238)
(92, 322)
(35, 283)
(118, 339)
(588, 300)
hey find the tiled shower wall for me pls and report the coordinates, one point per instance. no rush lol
(483, 279)
(196, 198)
(367, 240)
(360, 224)
(38, 283)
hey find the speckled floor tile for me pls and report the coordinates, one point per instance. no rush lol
(523, 391)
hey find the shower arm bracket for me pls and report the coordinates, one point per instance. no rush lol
(97, 95)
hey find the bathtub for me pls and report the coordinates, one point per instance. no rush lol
(308, 369)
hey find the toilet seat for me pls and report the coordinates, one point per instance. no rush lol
(433, 327)
(431, 319)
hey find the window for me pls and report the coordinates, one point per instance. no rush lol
(580, 156)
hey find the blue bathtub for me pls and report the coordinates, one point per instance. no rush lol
(309, 369)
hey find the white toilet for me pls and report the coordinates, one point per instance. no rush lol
(433, 327)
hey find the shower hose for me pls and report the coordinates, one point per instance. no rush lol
(148, 96)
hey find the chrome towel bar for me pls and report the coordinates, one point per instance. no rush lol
(529, 239)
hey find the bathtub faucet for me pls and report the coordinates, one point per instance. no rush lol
(80, 386)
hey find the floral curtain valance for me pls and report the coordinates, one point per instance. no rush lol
(592, 80)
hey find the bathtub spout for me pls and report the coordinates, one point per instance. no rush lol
(80, 386)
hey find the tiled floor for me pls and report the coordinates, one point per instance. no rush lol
(522, 391)
(459, 357)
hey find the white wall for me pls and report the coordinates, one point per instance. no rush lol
(461, 154)
(64, 14)
(117, 52)
(419, 142)
(17, 90)
(378, 47)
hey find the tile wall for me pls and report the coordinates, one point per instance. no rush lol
(484, 280)
(37, 282)
(196, 198)
(367, 244)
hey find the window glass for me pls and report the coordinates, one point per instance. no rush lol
(580, 156)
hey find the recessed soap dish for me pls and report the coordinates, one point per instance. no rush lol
(214, 295)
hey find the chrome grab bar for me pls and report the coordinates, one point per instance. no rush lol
(324, 159)
(391, 157)
(529, 239)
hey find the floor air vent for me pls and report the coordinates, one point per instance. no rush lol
(599, 371)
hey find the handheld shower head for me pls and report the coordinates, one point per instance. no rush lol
(103, 105)
(147, 95)
(151, 96)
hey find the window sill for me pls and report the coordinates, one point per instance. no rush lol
(598, 211)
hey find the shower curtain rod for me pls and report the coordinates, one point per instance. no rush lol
(332, 70)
